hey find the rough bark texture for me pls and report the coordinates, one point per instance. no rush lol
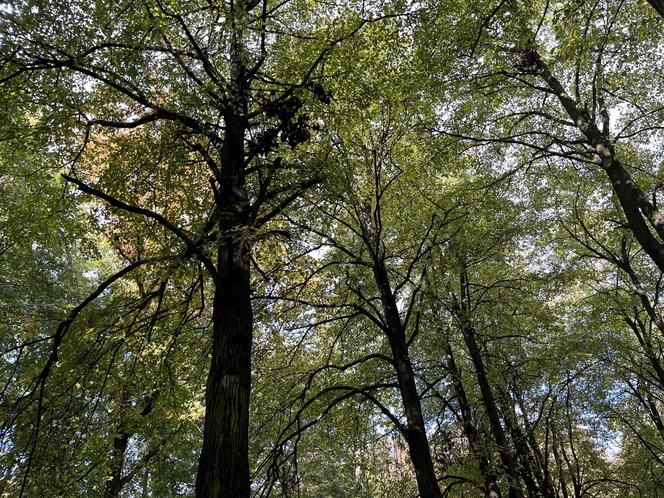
(224, 462)
(224, 467)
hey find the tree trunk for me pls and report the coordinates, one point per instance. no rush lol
(632, 199)
(488, 399)
(224, 464)
(114, 485)
(490, 488)
(415, 431)
(223, 470)
(491, 408)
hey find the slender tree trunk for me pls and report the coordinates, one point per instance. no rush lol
(415, 430)
(529, 468)
(490, 489)
(491, 408)
(488, 399)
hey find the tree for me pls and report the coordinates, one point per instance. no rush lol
(211, 88)
(331, 249)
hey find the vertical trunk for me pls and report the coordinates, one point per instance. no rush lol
(556, 448)
(114, 485)
(415, 431)
(224, 462)
(491, 408)
(488, 399)
(118, 454)
(490, 489)
(531, 471)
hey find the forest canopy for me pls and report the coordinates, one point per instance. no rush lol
(280, 248)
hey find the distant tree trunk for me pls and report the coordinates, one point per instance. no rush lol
(118, 480)
(531, 471)
(490, 488)
(640, 213)
(488, 399)
(415, 430)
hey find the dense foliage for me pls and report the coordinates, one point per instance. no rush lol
(318, 249)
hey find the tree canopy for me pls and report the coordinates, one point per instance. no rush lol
(331, 249)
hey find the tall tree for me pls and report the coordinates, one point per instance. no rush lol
(215, 90)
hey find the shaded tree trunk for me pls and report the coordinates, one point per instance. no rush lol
(490, 488)
(224, 462)
(488, 399)
(415, 431)
(641, 215)
(114, 485)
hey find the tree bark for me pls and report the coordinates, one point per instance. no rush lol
(632, 200)
(223, 470)
(490, 488)
(224, 464)
(415, 430)
(488, 399)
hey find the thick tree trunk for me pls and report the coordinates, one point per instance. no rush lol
(224, 462)
(224, 465)
(223, 470)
